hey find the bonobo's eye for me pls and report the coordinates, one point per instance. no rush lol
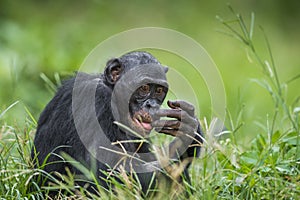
(159, 91)
(144, 90)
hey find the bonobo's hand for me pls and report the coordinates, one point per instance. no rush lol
(184, 122)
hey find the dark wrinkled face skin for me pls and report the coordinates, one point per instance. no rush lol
(144, 102)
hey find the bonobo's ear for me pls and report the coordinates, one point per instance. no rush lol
(166, 69)
(113, 70)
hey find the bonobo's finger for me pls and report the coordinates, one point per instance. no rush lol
(189, 108)
(181, 115)
(171, 132)
(174, 124)
(174, 113)
(187, 128)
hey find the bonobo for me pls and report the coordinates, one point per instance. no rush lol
(100, 119)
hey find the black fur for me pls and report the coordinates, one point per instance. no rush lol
(56, 130)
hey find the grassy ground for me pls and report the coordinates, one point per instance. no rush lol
(269, 168)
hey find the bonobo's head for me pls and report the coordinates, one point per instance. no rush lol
(139, 87)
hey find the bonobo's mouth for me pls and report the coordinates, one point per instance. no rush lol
(143, 120)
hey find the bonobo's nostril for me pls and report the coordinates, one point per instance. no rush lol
(151, 103)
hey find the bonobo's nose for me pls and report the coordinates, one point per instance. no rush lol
(151, 104)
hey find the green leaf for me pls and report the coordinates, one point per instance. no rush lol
(249, 157)
(284, 169)
(259, 143)
(291, 138)
(275, 137)
(292, 154)
(265, 169)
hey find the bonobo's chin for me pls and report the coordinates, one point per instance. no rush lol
(141, 122)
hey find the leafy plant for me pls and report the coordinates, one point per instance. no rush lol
(270, 169)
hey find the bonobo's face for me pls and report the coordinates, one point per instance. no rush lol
(143, 104)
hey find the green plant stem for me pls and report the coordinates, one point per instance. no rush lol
(270, 71)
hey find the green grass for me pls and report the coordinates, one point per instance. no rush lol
(269, 168)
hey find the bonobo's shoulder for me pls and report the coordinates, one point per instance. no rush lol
(63, 97)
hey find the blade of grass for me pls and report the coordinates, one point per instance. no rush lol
(49, 83)
(251, 26)
(8, 108)
(272, 62)
(31, 116)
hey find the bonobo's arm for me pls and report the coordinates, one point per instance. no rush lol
(184, 125)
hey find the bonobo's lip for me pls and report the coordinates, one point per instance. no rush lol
(143, 120)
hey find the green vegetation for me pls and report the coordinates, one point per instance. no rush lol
(267, 114)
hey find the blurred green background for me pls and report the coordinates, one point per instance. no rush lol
(55, 36)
